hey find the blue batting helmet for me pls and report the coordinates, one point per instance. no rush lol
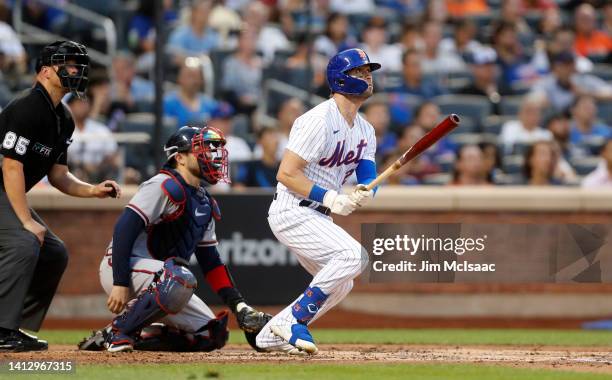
(337, 68)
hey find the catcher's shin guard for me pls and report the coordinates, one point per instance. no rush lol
(168, 295)
(218, 334)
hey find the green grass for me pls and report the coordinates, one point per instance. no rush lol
(305, 370)
(416, 336)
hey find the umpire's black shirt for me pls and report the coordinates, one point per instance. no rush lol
(35, 133)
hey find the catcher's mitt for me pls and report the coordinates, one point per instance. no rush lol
(252, 322)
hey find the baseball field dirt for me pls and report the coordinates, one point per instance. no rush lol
(484, 354)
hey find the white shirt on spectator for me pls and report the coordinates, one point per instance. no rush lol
(91, 145)
(10, 44)
(600, 177)
(513, 132)
(389, 56)
(348, 7)
(237, 149)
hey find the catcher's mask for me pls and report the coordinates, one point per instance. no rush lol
(207, 144)
(65, 55)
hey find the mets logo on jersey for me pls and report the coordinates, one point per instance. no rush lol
(338, 157)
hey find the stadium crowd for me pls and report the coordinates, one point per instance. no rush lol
(531, 80)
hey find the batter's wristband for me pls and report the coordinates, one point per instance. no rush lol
(317, 193)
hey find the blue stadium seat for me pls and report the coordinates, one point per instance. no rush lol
(493, 124)
(475, 107)
(140, 156)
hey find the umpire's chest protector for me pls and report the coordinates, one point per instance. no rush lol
(178, 233)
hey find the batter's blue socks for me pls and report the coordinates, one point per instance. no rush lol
(307, 306)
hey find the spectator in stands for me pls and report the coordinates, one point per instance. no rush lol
(584, 124)
(289, 110)
(304, 69)
(559, 126)
(98, 93)
(93, 153)
(226, 22)
(127, 87)
(195, 38)
(491, 161)
(427, 115)
(602, 175)
(513, 11)
(563, 39)
(527, 128)
(376, 45)
(356, 7)
(51, 19)
(141, 31)
(607, 18)
(403, 175)
(420, 166)
(262, 172)
(540, 164)
(432, 62)
(188, 104)
(466, 8)
(13, 57)
(242, 74)
(269, 37)
(376, 113)
(410, 37)
(550, 22)
(336, 36)
(237, 148)
(413, 81)
(470, 167)
(485, 78)
(516, 70)
(453, 50)
(563, 84)
(589, 40)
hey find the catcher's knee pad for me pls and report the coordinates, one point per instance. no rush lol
(175, 285)
(167, 295)
(217, 336)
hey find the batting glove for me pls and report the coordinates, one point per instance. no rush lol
(361, 195)
(340, 204)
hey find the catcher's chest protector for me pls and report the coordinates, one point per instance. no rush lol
(178, 234)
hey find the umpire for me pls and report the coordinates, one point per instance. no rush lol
(35, 130)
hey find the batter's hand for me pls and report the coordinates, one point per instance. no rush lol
(37, 229)
(361, 195)
(340, 204)
(106, 189)
(251, 320)
(118, 299)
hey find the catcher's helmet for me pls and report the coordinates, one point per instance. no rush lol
(337, 68)
(207, 144)
(63, 54)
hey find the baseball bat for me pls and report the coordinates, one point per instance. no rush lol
(442, 129)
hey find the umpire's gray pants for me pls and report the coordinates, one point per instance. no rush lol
(29, 273)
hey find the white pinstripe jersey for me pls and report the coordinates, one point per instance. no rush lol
(332, 148)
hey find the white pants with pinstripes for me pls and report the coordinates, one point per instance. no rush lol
(193, 316)
(324, 249)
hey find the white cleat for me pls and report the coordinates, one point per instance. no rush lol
(296, 335)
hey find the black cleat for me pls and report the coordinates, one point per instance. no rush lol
(19, 341)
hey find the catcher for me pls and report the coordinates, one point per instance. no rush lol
(145, 269)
